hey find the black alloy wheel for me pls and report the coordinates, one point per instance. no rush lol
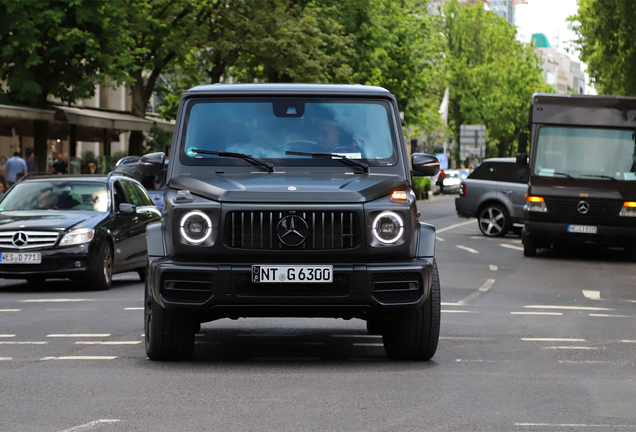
(493, 220)
(102, 277)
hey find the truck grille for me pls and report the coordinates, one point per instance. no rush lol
(27, 239)
(565, 209)
(257, 230)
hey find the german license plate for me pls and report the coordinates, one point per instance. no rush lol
(292, 274)
(20, 258)
(585, 229)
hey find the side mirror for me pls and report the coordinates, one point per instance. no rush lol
(127, 208)
(424, 165)
(151, 163)
(522, 149)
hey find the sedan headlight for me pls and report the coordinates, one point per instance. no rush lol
(196, 227)
(388, 227)
(78, 237)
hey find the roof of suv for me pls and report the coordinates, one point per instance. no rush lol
(289, 88)
(68, 177)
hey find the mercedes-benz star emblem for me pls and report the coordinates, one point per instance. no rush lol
(292, 230)
(583, 207)
(19, 239)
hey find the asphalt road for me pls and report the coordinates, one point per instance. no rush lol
(541, 344)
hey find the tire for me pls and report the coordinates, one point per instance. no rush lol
(375, 326)
(493, 220)
(102, 277)
(35, 280)
(415, 335)
(632, 252)
(142, 274)
(169, 335)
(529, 245)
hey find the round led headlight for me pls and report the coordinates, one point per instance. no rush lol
(196, 227)
(388, 227)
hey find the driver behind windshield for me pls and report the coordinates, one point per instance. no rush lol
(331, 139)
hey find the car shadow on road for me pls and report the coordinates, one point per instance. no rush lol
(585, 252)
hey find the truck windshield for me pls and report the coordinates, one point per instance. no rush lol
(267, 129)
(602, 154)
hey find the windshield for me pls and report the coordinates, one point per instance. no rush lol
(57, 195)
(586, 153)
(268, 129)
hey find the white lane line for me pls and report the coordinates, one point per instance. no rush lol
(107, 343)
(584, 361)
(54, 300)
(6, 335)
(62, 335)
(72, 310)
(5, 358)
(509, 246)
(80, 358)
(587, 308)
(9, 310)
(570, 425)
(463, 338)
(448, 228)
(482, 361)
(21, 343)
(92, 425)
(439, 239)
(452, 304)
(537, 313)
(571, 348)
(356, 336)
(484, 288)
(134, 308)
(612, 316)
(630, 301)
(456, 311)
(487, 285)
(368, 344)
(552, 340)
(628, 341)
(593, 295)
(493, 267)
(471, 250)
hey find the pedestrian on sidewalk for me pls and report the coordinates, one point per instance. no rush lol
(14, 166)
(440, 181)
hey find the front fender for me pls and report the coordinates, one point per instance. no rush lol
(154, 240)
(426, 244)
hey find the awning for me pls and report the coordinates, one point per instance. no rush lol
(26, 113)
(108, 119)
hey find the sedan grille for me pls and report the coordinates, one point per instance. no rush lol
(27, 239)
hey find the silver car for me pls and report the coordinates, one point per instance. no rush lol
(495, 194)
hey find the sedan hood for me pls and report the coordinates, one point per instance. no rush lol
(46, 220)
(327, 187)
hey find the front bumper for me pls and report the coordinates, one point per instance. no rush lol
(213, 291)
(609, 235)
(56, 263)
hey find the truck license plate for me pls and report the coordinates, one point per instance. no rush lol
(586, 229)
(20, 258)
(292, 274)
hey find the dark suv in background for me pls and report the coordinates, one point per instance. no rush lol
(495, 194)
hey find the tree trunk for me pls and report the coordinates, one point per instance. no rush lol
(135, 143)
(40, 144)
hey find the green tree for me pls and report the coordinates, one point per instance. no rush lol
(52, 48)
(606, 30)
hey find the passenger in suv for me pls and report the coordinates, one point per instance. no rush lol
(495, 193)
(261, 220)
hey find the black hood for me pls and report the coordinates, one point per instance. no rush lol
(47, 220)
(328, 187)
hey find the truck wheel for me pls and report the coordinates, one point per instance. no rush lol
(529, 245)
(493, 220)
(415, 335)
(374, 326)
(169, 335)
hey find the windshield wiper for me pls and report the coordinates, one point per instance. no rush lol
(564, 174)
(352, 162)
(253, 160)
(599, 176)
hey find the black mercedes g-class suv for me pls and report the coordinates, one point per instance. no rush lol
(291, 200)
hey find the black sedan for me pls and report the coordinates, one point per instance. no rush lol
(81, 227)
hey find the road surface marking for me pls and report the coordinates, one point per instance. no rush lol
(293, 343)
(134, 308)
(463, 338)
(567, 307)
(516, 241)
(21, 343)
(9, 310)
(107, 343)
(448, 228)
(573, 425)
(357, 336)
(630, 301)
(584, 361)
(73, 309)
(6, 335)
(80, 358)
(80, 335)
(611, 316)
(484, 288)
(482, 361)
(536, 313)
(628, 341)
(509, 246)
(368, 344)
(451, 304)
(593, 295)
(493, 267)
(439, 239)
(456, 311)
(552, 340)
(92, 425)
(471, 250)
(54, 300)
(5, 358)
(571, 347)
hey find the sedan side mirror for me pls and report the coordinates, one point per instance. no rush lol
(151, 163)
(424, 165)
(127, 208)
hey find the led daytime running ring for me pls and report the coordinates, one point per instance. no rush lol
(208, 231)
(375, 223)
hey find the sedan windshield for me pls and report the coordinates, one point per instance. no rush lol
(269, 129)
(601, 154)
(57, 195)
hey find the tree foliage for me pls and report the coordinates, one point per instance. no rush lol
(606, 30)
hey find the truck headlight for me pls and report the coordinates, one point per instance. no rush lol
(388, 227)
(535, 204)
(78, 237)
(629, 209)
(196, 227)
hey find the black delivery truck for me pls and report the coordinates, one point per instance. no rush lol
(582, 185)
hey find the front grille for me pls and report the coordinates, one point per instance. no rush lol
(257, 230)
(397, 287)
(34, 239)
(190, 287)
(338, 288)
(565, 209)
